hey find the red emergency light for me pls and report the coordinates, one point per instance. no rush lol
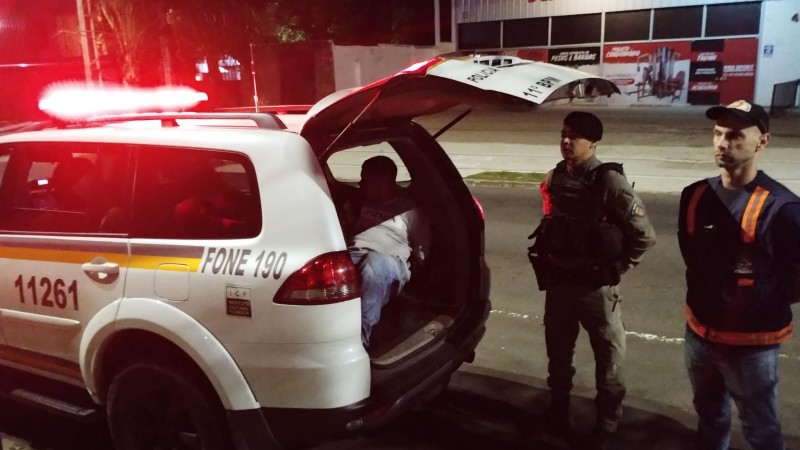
(76, 101)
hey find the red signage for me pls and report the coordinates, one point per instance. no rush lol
(696, 72)
(640, 52)
(734, 71)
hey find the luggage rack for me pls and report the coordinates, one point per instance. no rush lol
(263, 121)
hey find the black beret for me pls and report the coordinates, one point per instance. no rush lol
(586, 124)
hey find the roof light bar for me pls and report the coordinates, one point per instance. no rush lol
(76, 101)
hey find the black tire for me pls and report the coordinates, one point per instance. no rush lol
(158, 407)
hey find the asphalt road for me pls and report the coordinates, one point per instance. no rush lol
(491, 402)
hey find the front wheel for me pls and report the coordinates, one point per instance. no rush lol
(159, 407)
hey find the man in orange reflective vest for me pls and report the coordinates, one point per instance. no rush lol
(739, 235)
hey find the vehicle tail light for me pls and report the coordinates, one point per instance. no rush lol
(328, 278)
(480, 208)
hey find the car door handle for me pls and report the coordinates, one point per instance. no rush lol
(106, 268)
(101, 270)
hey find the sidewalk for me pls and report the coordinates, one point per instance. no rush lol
(662, 149)
(652, 169)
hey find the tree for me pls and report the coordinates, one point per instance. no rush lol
(142, 34)
(126, 29)
(361, 22)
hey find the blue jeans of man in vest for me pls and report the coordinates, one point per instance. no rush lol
(746, 374)
(381, 276)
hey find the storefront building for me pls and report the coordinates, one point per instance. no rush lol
(657, 51)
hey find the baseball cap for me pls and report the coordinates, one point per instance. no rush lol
(750, 112)
(586, 124)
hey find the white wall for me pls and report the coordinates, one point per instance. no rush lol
(356, 65)
(777, 30)
(486, 10)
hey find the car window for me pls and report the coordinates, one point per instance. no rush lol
(63, 188)
(345, 166)
(194, 194)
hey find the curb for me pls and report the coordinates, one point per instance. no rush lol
(502, 183)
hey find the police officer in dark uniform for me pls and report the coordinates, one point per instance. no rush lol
(594, 229)
(739, 235)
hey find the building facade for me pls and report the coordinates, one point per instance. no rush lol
(680, 52)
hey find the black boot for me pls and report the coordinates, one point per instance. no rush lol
(601, 439)
(557, 420)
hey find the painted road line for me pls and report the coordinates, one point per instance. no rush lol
(643, 336)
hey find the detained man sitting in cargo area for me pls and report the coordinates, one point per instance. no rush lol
(387, 231)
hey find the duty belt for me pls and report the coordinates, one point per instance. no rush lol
(735, 337)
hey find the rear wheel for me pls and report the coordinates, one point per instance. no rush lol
(158, 407)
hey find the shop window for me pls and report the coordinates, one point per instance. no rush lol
(525, 32)
(230, 69)
(733, 19)
(478, 35)
(677, 23)
(580, 29)
(627, 26)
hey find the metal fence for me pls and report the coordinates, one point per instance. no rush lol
(784, 97)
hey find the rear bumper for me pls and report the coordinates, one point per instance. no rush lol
(423, 390)
(310, 426)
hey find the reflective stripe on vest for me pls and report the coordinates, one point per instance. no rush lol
(749, 221)
(749, 218)
(751, 212)
(692, 210)
(737, 338)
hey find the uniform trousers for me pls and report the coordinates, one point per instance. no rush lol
(567, 307)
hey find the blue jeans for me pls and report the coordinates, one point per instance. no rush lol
(746, 374)
(381, 276)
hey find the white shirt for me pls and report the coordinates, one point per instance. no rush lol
(395, 227)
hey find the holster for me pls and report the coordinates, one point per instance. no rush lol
(545, 276)
(541, 269)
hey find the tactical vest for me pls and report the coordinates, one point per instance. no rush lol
(577, 232)
(578, 226)
(738, 291)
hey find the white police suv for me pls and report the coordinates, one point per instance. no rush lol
(189, 271)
